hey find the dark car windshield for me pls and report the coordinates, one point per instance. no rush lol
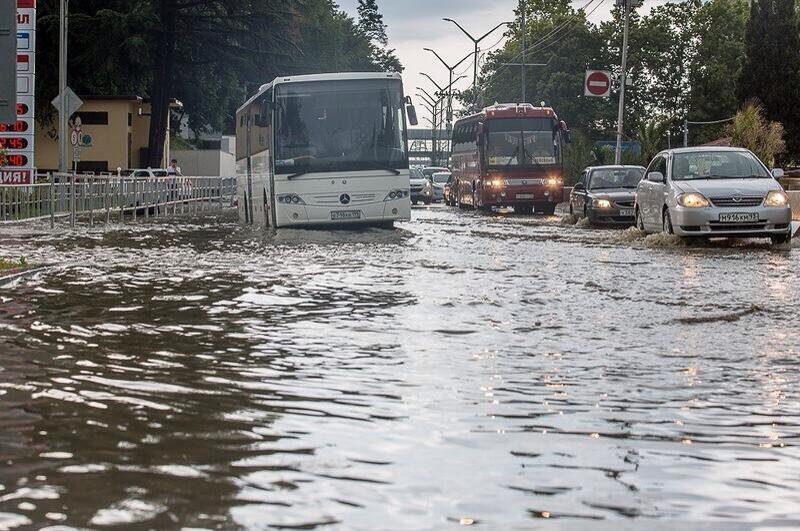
(717, 165)
(340, 126)
(606, 178)
(521, 142)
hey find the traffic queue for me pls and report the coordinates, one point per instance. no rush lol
(512, 155)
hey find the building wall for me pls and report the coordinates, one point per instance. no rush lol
(107, 143)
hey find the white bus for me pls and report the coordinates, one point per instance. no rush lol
(325, 149)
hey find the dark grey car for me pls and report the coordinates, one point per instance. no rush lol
(606, 194)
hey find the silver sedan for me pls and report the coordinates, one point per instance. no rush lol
(713, 192)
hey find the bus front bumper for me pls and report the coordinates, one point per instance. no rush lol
(364, 214)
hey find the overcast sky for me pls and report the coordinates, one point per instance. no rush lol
(417, 24)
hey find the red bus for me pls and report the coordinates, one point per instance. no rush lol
(509, 155)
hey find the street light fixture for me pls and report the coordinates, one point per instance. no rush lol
(449, 69)
(476, 42)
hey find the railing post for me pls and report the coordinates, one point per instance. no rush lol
(72, 201)
(146, 198)
(90, 182)
(107, 197)
(52, 201)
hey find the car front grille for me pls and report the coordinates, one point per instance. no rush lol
(737, 202)
(729, 227)
(624, 204)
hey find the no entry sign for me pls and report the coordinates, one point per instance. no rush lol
(598, 83)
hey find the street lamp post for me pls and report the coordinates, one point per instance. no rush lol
(627, 4)
(476, 42)
(442, 91)
(450, 69)
(433, 106)
(63, 118)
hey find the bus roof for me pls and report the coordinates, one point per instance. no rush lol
(512, 110)
(339, 76)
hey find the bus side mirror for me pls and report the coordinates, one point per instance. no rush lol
(568, 136)
(411, 111)
(480, 140)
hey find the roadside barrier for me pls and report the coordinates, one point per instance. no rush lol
(113, 198)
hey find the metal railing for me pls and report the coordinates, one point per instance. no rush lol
(113, 198)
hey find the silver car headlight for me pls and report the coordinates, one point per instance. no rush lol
(776, 198)
(601, 203)
(692, 200)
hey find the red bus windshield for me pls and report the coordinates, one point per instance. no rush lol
(522, 142)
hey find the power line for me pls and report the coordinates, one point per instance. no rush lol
(538, 46)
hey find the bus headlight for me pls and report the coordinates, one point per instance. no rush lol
(497, 183)
(554, 181)
(290, 199)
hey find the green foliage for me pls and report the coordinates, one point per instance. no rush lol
(203, 52)
(577, 156)
(3, 159)
(771, 72)
(685, 58)
(11, 265)
(651, 136)
(751, 130)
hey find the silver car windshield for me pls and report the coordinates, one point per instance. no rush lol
(717, 165)
(608, 178)
(441, 178)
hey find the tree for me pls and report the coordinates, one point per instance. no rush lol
(370, 21)
(751, 130)
(771, 72)
(3, 159)
(651, 138)
(715, 72)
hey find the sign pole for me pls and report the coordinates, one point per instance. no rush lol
(63, 118)
(623, 82)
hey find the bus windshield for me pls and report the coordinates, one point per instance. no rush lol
(521, 142)
(340, 126)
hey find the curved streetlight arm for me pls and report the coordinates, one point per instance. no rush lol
(447, 66)
(494, 29)
(438, 86)
(462, 29)
(427, 94)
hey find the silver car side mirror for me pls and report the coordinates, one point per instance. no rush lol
(656, 177)
(778, 173)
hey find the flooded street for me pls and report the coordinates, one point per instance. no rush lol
(497, 371)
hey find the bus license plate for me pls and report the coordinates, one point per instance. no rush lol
(626, 213)
(739, 217)
(526, 196)
(340, 215)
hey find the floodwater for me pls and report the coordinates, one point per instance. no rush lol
(464, 370)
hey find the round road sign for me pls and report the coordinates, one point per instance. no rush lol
(73, 138)
(598, 83)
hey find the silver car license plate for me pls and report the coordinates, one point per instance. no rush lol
(626, 212)
(738, 217)
(340, 215)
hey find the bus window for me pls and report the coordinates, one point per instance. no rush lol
(521, 142)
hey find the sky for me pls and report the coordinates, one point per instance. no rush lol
(417, 24)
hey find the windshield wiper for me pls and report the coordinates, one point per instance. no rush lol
(511, 158)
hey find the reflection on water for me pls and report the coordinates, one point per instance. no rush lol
(464, 369)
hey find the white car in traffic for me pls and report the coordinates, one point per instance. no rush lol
(713, 192)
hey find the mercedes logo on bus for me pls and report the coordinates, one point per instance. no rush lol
(344, 199)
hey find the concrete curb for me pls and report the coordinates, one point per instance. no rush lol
(22, 273)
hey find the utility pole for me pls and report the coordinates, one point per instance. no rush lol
(524, 8)
(623, 81)
(476, 42)
(63, 118)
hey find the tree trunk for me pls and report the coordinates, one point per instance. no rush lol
(161, 91)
